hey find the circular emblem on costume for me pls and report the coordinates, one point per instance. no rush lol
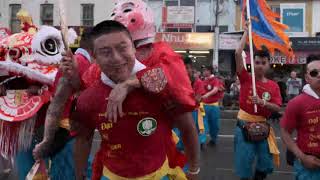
(266, 96)
(209, 87)
(147, 126)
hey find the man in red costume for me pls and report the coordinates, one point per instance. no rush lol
(163, 69)
(302, 115)
(213, 88)
(136, 147)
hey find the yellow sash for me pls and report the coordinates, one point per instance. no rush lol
(175, 138)
(176, 174)
(64, 123)
(201, 114)
(272, 142)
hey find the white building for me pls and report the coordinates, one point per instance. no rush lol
(79, 12)
(204, 13)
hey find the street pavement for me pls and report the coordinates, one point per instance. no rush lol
(217, 161)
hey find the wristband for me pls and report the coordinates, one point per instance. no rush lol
(194, 172)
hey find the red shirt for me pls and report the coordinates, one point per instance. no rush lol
(269, 91)
(198, 87)
(123, 150)
(303, 115)
(209, 84)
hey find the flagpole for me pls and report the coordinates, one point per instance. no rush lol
(63, 24)
(251, 54)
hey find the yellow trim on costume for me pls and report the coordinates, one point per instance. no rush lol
(176, 174)
(201, 114)
(249, 117)
(65, 123)
(212, 104)
(272, 142)
(175, 138)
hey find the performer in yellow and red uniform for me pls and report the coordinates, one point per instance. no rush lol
(213, 94)
(163, 67)
(268, 100)
(198, 114)
(302, 115)
(136, 146)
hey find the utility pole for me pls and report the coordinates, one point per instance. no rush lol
(215, 62)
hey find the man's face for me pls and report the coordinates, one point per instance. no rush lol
(115, 54)
(206, 72)
(261, 65)
(313, 74)
(293, 74)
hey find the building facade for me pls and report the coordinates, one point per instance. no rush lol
(79, 12)
(195, 39)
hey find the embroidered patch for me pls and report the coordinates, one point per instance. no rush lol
(266, 96)
(147, 126)
(154, 80)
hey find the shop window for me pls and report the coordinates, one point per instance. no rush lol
(46, 14)
(205, 29)
(172, 30)
(187, 2)
(185, 29)
(14, 21)
(171, 2)
(87, 17)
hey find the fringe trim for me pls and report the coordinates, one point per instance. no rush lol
(16, 137)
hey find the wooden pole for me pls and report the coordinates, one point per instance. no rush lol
(63, 24)
(251, 54)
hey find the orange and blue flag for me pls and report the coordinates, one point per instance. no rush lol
(266, 30)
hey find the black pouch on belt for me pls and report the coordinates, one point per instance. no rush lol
(255, 131)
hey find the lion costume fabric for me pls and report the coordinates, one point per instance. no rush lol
(31, 58)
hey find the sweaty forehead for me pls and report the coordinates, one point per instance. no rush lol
(112, 39)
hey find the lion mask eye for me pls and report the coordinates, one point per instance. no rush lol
(50, 47)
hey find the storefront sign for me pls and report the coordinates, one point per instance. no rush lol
(305, 43)
(178, 16)
(192, 41)
(300, 58)
(284, 60)
(293, 15)
(229, 41)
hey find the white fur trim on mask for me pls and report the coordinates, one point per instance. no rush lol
(44, 33)
(72, 36)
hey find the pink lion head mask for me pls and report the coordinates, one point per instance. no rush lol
(136, 16)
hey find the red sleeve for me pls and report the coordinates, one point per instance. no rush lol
(290, 118)
(244, 76)
(169, 79)
(199, 87)
(83, 64)
(90, 76)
